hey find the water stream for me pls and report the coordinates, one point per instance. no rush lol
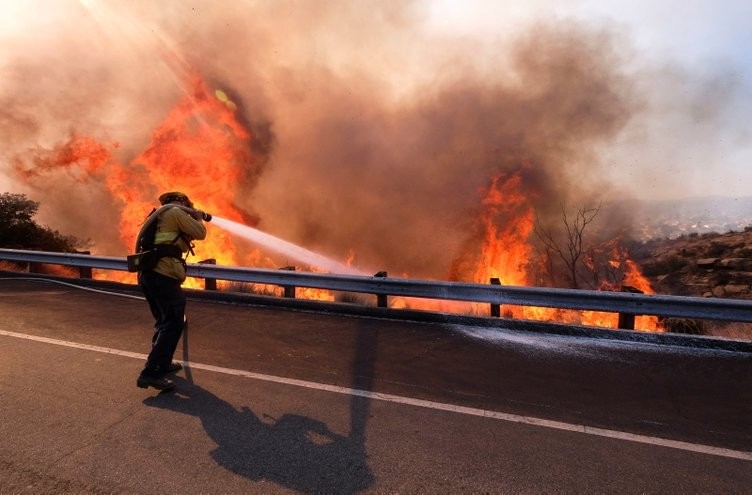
(285, 248)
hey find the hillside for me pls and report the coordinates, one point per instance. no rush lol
(681, 217)
(698, 247)
(701, 265)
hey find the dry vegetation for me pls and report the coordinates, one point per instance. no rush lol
(701, 265)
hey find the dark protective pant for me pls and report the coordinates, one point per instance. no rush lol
(167, 303)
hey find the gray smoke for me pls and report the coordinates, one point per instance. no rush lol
(376, 136)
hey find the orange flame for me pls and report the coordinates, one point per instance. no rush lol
(507, 254)
(203, 149)
(81, 158)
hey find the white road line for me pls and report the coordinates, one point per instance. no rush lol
(471, 411)
(75, 286)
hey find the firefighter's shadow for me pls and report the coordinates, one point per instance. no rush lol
(295, 451)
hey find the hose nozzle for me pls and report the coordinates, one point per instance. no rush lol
(196, 213)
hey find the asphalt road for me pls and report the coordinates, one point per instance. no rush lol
(292, 401)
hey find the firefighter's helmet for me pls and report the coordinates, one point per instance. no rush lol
(171, 196)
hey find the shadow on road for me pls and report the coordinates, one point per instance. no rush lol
(295, 451)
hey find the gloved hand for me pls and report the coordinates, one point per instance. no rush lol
(202, 215)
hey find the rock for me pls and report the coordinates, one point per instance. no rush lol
(706, 262)
(741, 264)
(735, 289)
(719, 291)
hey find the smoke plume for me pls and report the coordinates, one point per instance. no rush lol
(370, 134)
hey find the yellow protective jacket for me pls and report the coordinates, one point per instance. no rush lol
(176, 226)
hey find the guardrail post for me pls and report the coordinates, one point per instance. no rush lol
(84, 271)
(289, 289)
(495, 308)
(627, 320)
(382, 300)
(209, 283)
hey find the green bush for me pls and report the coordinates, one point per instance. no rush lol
(18, 230)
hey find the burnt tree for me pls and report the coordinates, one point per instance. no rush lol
(566, 246)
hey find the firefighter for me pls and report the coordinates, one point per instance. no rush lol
(177, 227)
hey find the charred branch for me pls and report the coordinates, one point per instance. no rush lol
(568, 247)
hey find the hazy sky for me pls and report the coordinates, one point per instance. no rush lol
(697, 33)
(689, 62)
(699, 133)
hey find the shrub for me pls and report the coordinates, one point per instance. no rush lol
(19, 231)
(745, 253)
(663, 266)
(715, 249)
(687, 326)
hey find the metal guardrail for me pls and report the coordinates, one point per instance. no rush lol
(613, 302)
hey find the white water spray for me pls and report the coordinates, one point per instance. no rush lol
(284, 247)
